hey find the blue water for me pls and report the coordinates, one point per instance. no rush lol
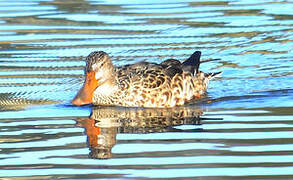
(242, 129)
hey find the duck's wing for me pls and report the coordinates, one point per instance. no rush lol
(146, 74)
(192, 63)
(153, 75)
(171, 62)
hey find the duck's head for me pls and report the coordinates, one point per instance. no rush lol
(99, 69)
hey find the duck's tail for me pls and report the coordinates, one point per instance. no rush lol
(192, 63)
(211, 76)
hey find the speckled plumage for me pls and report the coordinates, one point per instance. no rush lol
(144, 84)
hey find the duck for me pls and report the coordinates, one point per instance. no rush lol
(143, 84)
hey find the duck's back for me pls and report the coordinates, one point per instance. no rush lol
(168, 84)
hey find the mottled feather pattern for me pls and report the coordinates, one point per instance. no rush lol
(152, 85)
(146, 84)
(93, 58)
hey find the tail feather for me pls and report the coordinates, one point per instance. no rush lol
(211, 76)
(192, 63)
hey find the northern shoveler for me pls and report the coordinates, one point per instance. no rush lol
(143, 84)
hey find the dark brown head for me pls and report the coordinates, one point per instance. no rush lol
(99, 69)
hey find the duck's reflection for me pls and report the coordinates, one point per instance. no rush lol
(105, 122)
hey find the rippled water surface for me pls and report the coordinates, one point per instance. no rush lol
(243, 129)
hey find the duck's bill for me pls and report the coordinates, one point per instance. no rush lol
(86, 93)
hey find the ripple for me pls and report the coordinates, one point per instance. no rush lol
(242, 129)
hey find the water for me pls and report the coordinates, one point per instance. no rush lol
(242, 129)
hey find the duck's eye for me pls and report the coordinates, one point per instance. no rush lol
(102, 64)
